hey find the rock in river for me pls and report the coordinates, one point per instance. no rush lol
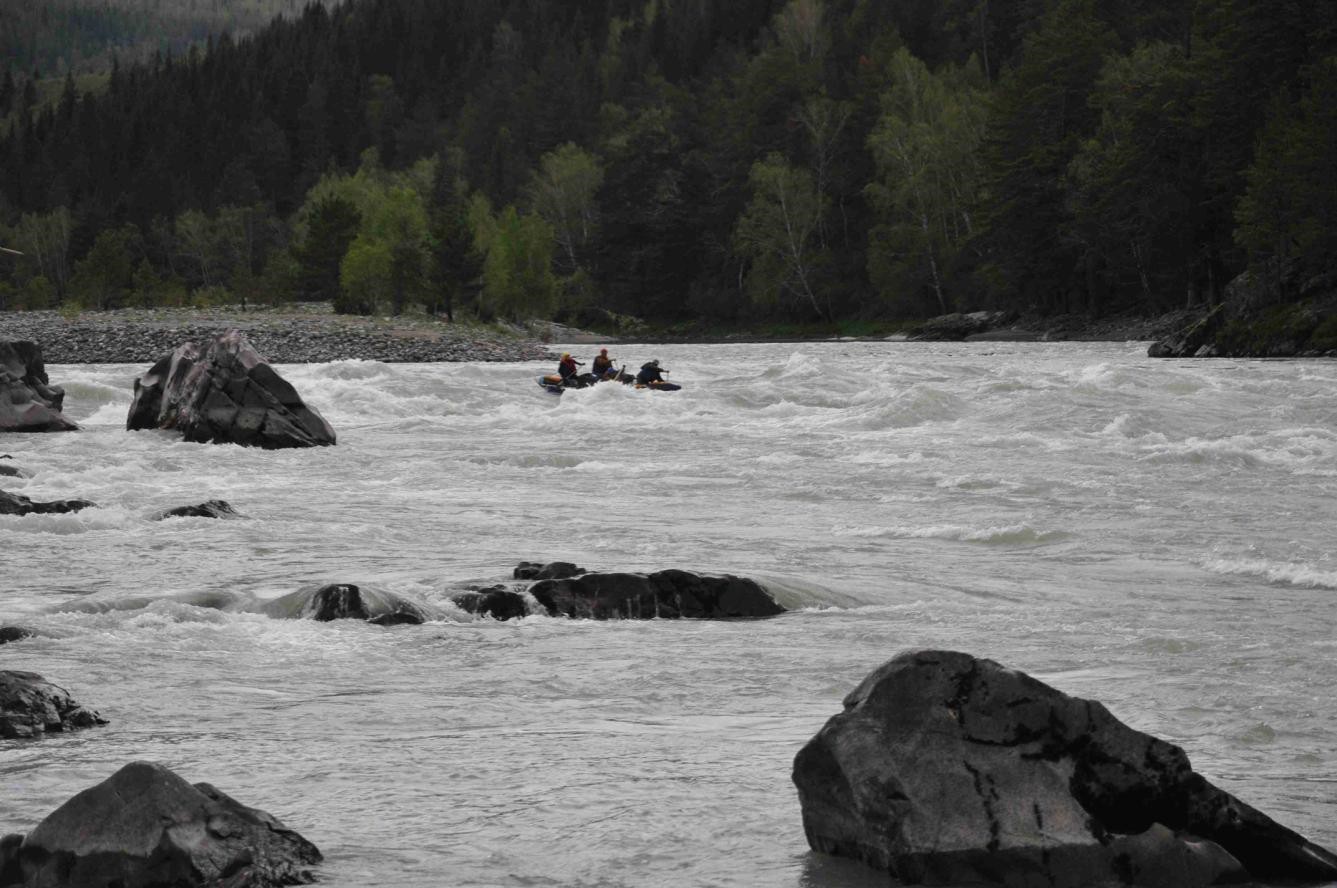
(214, 508)
(344, 601)
(17, 504)
(31, 706)
(665, 594)
(146, 826)
(944, 769)
(28, 401)
(225, 393)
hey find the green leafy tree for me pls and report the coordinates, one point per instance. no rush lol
(777, 234)
(103, 278)
(363, 275)
(563, 191)
(44, 239)
(518, 282)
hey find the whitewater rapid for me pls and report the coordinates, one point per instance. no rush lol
(1156, 535)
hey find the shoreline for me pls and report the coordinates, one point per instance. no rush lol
(313, 333)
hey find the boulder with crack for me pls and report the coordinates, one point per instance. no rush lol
(945, 769)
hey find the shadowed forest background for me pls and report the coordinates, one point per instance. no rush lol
(718, 161)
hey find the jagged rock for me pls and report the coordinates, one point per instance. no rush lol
(497, 602)
(956, 327)
(225, 393)
(344, 601)
(17, 504)
(145, 826)
(1193, 339)
(31, 706)
(667, 594)
(553, 570)
(944, 768)
(28, 401)
(14, 633)
(210, 509)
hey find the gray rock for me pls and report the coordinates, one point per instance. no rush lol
(944, 768)
(668, 594)
(957, 327)
(1196, 338)
(225, 393)
(209, 509)
(28, 401)
(145, 826)
(17, 504)
(345, 601)
(14, 633)
(496, 602)
(553, 570)
(31, 706)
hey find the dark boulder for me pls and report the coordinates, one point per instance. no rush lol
(344, 601)
(14, 633)
(16, 504)
(210, 509)
(225, 393)
(553, 570)
(496, 602)
(31, 706)
(28, 401)
(945, 768)
(956, 327)
(1195, 340)
(9, 471)
(669, 594)
(145, 826)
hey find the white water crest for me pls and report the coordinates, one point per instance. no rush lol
(1156, 535)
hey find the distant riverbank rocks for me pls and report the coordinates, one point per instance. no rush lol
(17, 504)
(945, 768)
(224, 392)
(28, 401)
(31, 706)
(145, 826)
(1261, 316)
(300, 333)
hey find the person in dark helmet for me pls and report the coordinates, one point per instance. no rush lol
(567, 368)
(602, 365)
(650, 373)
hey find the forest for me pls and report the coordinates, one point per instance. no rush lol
(717, 161)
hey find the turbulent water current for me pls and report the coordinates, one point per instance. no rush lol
(1157, 535)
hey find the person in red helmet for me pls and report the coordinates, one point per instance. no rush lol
(602, 365)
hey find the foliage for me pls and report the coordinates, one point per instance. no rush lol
(777, 233)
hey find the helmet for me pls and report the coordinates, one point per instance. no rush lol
(565, 355)
(603, 351)
(655, 362)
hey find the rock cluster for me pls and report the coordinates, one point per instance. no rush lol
(947, 769)
(345, 601)
(31, 706)
(28, 401)
(146, 826)
(225, 393)
(297, 334)
(497, 602)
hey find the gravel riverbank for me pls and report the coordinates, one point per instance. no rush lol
(298, 334)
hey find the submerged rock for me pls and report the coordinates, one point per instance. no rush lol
(31, 706)
(497, 602)
(16, 504)
(669, 594)
(553, 570)
(9, 471)
(28, 401)
(344, 601)
(146, 826)
(225, 393)
(944, 768)
(210, 509)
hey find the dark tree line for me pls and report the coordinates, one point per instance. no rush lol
(751, 159)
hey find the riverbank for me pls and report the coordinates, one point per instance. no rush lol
(291, 334)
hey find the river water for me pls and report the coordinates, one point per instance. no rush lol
(1157, 535)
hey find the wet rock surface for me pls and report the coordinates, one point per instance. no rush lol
(553, 570)
(224, 392)
(31, 706)
(945, 768)
(345, 601)
(146, 826)
(28, 401)
(17, 504)
(14, 633)
(214, 508)
(497, 602)
(665, 594)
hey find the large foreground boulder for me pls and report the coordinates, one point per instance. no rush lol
(668, 594)
(17, 504)
(944, 768)
(28, 401)
(145, 826)
(345, 601)
(31, 706)
(225, 393)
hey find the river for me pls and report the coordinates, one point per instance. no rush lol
(1157, 535)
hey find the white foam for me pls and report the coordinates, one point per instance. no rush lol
(1279, 573)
